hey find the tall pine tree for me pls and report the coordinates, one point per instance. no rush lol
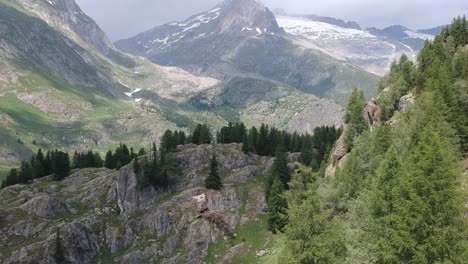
(213, 181)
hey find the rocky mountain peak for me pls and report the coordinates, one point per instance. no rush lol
(246, 14)
(67, 17)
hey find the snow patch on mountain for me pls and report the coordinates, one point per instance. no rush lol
(367, 49)
(320, 30)
(413, 34)
(134, 92)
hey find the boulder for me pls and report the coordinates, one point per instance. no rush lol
(406, 102)
(45, 206)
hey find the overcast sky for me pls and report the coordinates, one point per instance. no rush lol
(125, 18)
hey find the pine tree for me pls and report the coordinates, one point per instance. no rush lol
(245, 145)
(428, 219)
(141, 152)
(25, 173)
(213, 181)
(11, 179)
(262, 141)
(168, 142)
(110, 161)
(252, 139)
(38, 165)
(61, 165)
(354, 117)
(205, 135)
(281, 168)
(277, 206)
(195, 138)
(312, 235)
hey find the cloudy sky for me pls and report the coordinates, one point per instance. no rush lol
(125, 18)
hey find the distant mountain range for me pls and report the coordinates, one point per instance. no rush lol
(241, 38)
(64, 85)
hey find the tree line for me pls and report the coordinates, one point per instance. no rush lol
(154, 171)
(55, 163)
(264, 141)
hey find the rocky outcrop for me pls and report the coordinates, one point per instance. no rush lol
(373, 114)
(338, 154)
(406, 102)
(45, 206)
(102, 214)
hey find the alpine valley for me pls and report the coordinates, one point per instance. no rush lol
(232, 63)
(240, 135)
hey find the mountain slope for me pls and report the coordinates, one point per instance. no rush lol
(58, 90)
(64, 85)
(242, 37)
(103, 216)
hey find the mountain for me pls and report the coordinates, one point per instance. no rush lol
(64, 85)
(371, 49)
(432, 31)
(241, 38)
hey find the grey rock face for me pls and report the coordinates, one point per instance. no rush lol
(373, 114)
(67, 17)
(338, 154)
(45, 206)
(100, 213)
(406, 102)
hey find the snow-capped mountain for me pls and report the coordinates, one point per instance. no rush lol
(242, 38)
(372, 49)
(237, 19)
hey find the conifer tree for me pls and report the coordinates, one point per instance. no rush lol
(428, 224)
(262, 141)
(141, 152)
(354, 117)
(110, 161)
(280, 167)
(60, 165)
(167, 142)
(38, 165)
(252, 139)
(312, 235)
(245, 144)
(277, 206)
(11, 179)
(25, 173)
(213, 181)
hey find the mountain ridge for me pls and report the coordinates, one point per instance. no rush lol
(258, 47)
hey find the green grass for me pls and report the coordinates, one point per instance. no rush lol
(254, 236)
(4, 169)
